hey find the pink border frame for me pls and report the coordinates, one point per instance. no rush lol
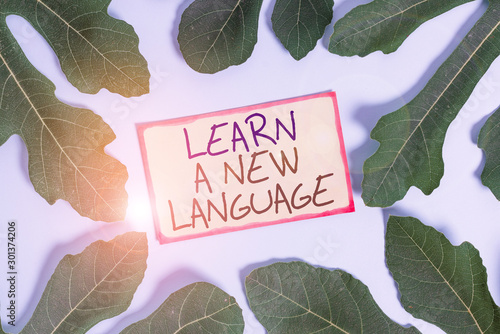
(189, 119)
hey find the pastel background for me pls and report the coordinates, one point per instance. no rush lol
(366, 88)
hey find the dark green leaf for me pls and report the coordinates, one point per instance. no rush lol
(383, 24)
(95, 50)
(300, 23)
(489, 141)
(196, 308)
(97, 284)
(411, 138)
(440, 283)
(65, 144)
(298, 298)
(216, 34)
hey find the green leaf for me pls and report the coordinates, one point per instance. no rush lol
(299, 23)
(299, 298)
(65, 144)
(383, 24)
(95, 50)
(440, 283)
(97, 284)
(197, 308)
(411, 138)
(216, 34)
(489, 141)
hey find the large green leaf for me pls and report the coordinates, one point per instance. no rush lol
(197, 308)
(299, 298)
(440, 283)
(95, 50)
(489, 141)
(383, 24)
(411, 138)
(216, 34)
(65, 144)
(300, 23)
(97, 284)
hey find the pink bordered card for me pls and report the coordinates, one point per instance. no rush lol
(246, 167)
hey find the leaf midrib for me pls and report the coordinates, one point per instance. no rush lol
(297, 24)
(438, 98)
(381, 21)
(96, 285)
(299, 305)
(202, 63)
(44, 125)
(181, 327)
(91, 45)
(442, 276)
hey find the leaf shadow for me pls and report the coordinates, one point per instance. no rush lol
(368, 115)
(170, 284)
(105, 232)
